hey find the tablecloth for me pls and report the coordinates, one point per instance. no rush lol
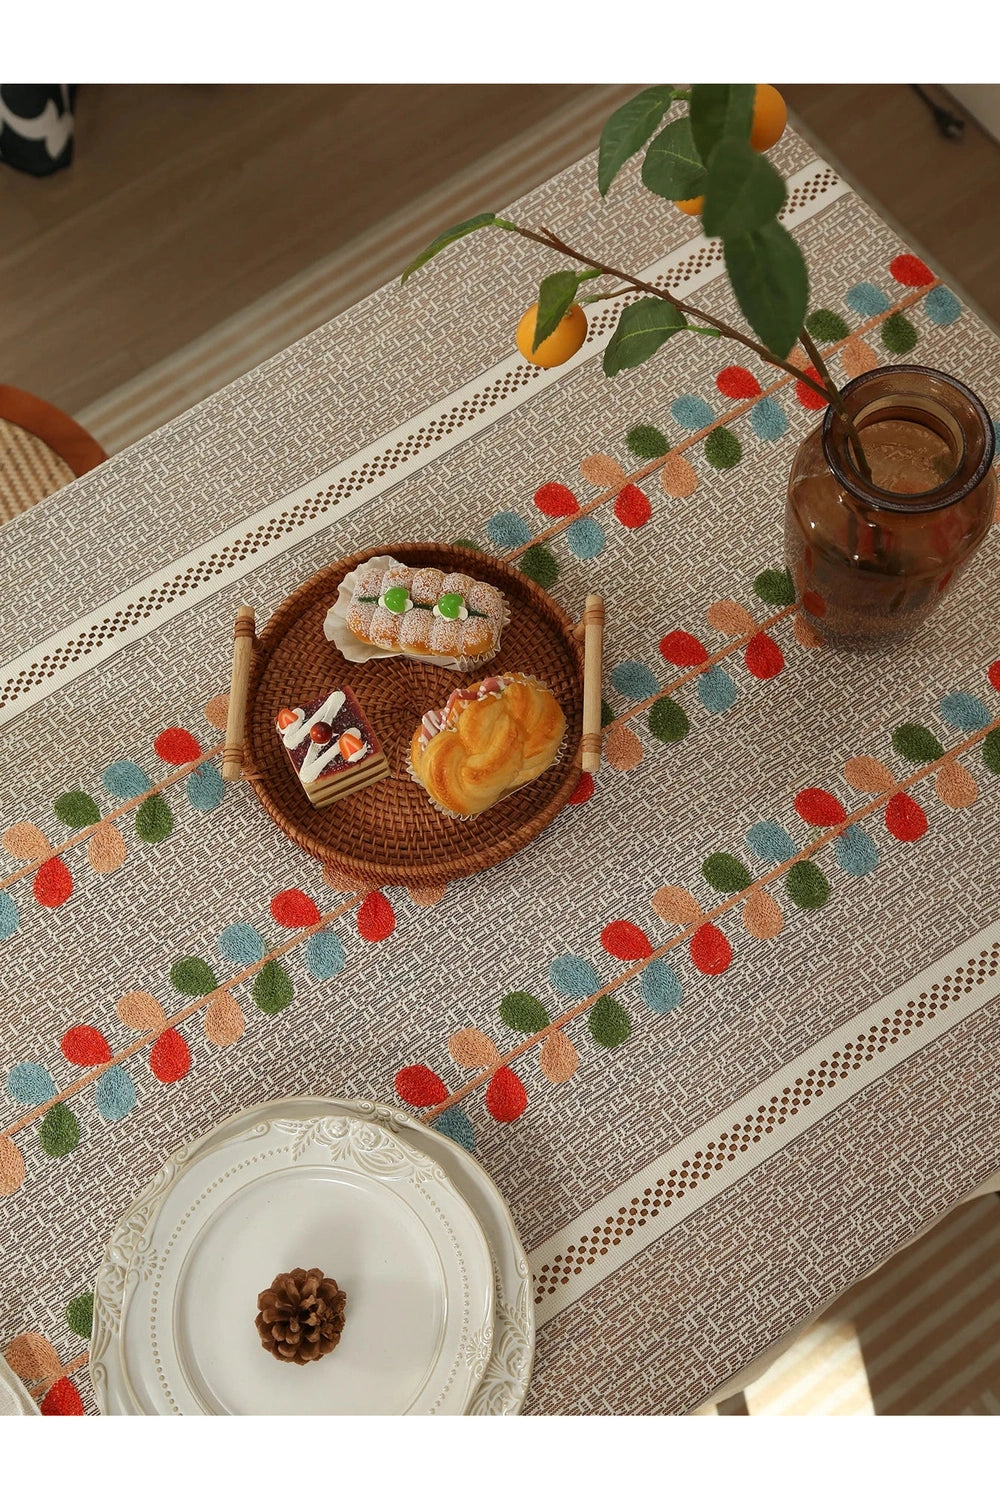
(750, 1095)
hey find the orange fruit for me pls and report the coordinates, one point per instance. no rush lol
(691, 206)
(769, 117)
(561, 344)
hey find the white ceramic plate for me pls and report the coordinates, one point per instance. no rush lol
(335, 1191)
(14, 1398)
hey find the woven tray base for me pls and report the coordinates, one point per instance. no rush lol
(389, 834)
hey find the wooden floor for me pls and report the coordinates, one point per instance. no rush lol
(186, 203)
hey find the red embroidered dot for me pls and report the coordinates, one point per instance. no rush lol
(807, 396)
(176, 746)
(911, 271)
(294, 909)
(763, 657)
(632, 508)
(556, 500)
(85, 1046)
(506, 1099)
(820, 808)
(62, 1400)
(420, 1086)
(170, 1057)
(814, 603)
(376, 918)
(905, 819)
(994, 675)
(584, 789)
(682, 649)
(737, 382)
(53, 884)
(710, 950)
(626, 941)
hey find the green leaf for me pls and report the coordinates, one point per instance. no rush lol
(539, 564)
(628, 129)
(775, 586)
(668, 721)
(807, 886)
(272, 989)
(458, 232)
(642, 328)
(769, 277)
(555, 298)
(672, 167)
(80, 1314)
(610, 1023)
(59, 1132)
(154, 821)
(192, 976)
(720, 110)
(826, 327)
(646, 441)
(991, 751)
(916, 744)
(742, 191)
(523, 1012)
(76, 809)
(724, 872)
(723, 448)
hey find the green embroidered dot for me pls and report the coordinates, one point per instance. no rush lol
(991, 751)
(826, 326)
(668, 721)
(898, 334)
(610, 1023)
(807, 886)
(192, 976)
(154, 821)
(80, 1315)
(723, 448)
(607, 713)
(915, 743)
(724, 872)
(523, 1012)
(395, 600)
(464, 542)
(449, 606)
(59, 1133)
(272, 989)
(774, 586)
(540, 566)
(76, 810)
(646, 441)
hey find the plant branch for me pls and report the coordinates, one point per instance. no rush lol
(553, 242)
(854, 437)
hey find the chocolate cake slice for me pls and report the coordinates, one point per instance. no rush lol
(332, 748)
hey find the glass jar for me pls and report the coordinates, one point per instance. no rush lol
(871, 558)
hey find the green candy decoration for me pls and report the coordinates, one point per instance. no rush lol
(449, 606)
(396, 600)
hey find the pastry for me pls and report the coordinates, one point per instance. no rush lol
(489, 739)
(332, 747)
(427, 613)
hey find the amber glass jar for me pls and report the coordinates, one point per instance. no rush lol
(872, 558)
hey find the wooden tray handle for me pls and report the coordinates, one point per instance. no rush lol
(243, 642)
(593, 646)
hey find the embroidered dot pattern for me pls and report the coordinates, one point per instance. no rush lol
(716, 690)
(965, 711)
(59, 1132)
(607, 473)
(608, 1022)
(558, 1059)
(430, 895)
(540, 566)
(124, 779)
(646, 441)
(106, 851)
(866, 774)
(623, 748)
(691, 412)
(826, 327)
(916, 744)
(205, 788)
(771, 842)
(668, 722)
(774, 586)
(991, 751)
(768, 420)
(29, 1084)
(153, 820)
(672, 903)
(522, 1012)
(9, 918)
(898, 334)
(80, 1315)
(140, 1011)
(911, 271)
(746, 1131)
(633, 679)
(660, 987)
(53, 883)
(26, 841)
(224, 1021)
(241, 944)
(556, 500)
(456, 1125)
(419, 1086)
(574, 977)
(114, 1094)
(858, 357)
(856, 851)
(866, 300)
(905, 819)
(683, 649)
(805, 632)
(955, 786)
(76, 809)
(192, 976)
(12, 1167)
(737, 382)
(169, 1057)
(710, 950)
(508, 530)
(506, 1098)
(723, 448)
(763, 657)
(85, 1046)
(942, 307)
(62, 1400)
(32, 1357)
(585, 538)
(376, 919)
(677, 478)
(217, 711)
(583, 791)
(807, 886)
(471, 1048)
(762, 916)
(325, 955)
(632, 508)
(176, 746)
(293, 908)
(625, 941)
(726, 873)
(729, 618)
(272, 989)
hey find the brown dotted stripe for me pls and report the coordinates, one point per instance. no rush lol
(742, 1134)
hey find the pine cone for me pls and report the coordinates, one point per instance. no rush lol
(301, 1316)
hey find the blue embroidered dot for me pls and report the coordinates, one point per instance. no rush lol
(942, 306)
(508, 529)
(114, 1094)
(572, 976)
(125, 780)
(30, 1083)
(661, 989)
(717, 690)
(205, 788)
(866, 300)
(964, 711)
(856, 852)
(633, 679)
(585, 538)
(241, 944)
(692, 412)
(456, 1124)
(8, 915)
(771, 842)
(768, 420)
(325, 955)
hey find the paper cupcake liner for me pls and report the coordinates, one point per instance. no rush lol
(337, 630)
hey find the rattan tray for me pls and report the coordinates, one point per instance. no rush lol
(389, 833)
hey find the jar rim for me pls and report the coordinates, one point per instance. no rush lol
(947, 493)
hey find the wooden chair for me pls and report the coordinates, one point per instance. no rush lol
(41, 449)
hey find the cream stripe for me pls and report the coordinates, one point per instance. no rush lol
(936, 1285)
(560, 1256)
(915, 1376)
(101, 634)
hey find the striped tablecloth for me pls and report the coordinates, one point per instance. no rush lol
(774, 1087)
